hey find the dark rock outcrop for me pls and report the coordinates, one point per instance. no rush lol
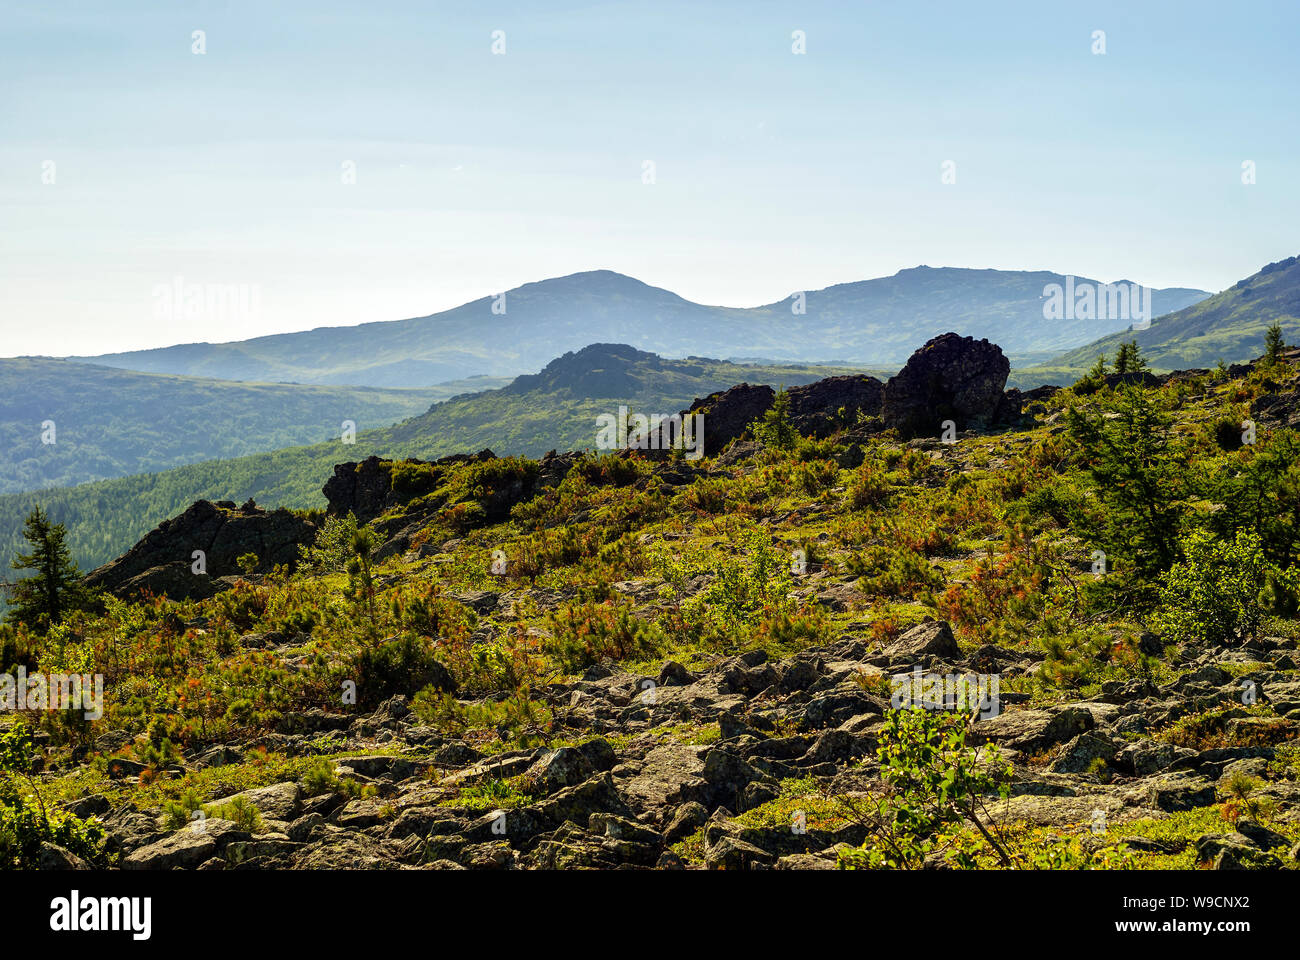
(163, 562)
(816, 409)
(366, 489)
(363, 489)
(819, 409)
(598, 370)
(950, 378)
(728, 412)
(1278, 410)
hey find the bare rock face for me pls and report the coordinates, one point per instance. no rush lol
(728, 412)
(816, 409)
(950, 378)
(1278, 410)
(162, 562)
(927, 639)
(363, 489)
(819, 409)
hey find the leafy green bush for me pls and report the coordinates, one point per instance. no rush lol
(1213, 595)
(320, 778)
(868, 488)
(815, 476)
(25, 821)
(411, 479)
(1139, 472)
(746, 588)
(1260, 492)
(333, 546)
(607, 469)
(775, 429)
(517, 717)
(403, 665)
(932, 781)
(588, 633)
(894, 572)
(178, 813)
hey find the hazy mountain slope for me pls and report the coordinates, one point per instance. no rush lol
(555, 409)
(888, 317)
(111, 423)
(873, 322)
(541, 320)
(1229, 326)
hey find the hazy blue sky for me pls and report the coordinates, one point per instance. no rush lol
(476, 172)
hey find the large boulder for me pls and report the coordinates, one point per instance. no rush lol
(1278, 410)
(185, 849)
(950, 378)
(162, 562)
(819, 409)
(1033, 730)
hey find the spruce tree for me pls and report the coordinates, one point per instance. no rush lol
(55, 588)
(775, 429)
(1274, 344)
(1129, 359)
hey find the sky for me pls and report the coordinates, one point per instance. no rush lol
(686, 144)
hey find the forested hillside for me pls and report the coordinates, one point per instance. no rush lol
(111, 423)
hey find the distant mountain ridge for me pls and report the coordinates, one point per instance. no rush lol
(1228, 326)
(872, 322)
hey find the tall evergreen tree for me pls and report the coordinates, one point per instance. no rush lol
(55, 587)
(1273, 343)
(1139, 472)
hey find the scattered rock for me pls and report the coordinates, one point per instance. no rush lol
(927, 639)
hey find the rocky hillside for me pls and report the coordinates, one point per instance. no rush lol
(555, 408)
(1065, 639)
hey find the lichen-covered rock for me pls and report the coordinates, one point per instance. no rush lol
(367, 489)
(1032, 730)
(927, 639)
(185, 848)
